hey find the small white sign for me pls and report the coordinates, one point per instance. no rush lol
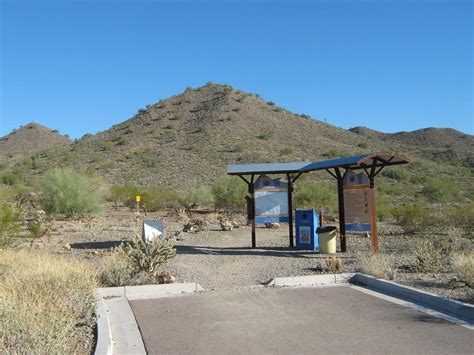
(152, 230)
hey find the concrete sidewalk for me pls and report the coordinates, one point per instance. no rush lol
(337, 319)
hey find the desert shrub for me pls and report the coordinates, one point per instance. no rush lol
(122, 193)
(412, 217)
(286, 151)
(265, 136)
(70, 193)
(10, 179)
(333, 264)
(229, 193)
(147, 257)
(196, 195)
(105, 145)
(48, 304)
(439, 190)
(363, 145)
(395, 174)
(152, 198)
(239, 148)
(433, 255)
(463, 265)
(9, 224)
(378, 265)
(309, 194)
(460, 216)
(384, 208)
(116, 270)
(122, 141)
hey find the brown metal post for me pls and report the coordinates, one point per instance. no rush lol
(290, 209)
(374, 237)
(342, 218)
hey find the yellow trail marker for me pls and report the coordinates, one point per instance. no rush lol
(137, 198)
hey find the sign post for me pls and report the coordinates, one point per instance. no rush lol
(137, 200)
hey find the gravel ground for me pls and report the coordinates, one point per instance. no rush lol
(224, 259)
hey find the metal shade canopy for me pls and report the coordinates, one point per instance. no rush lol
(362, 161)
(371, 163)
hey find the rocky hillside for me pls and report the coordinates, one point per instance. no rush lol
(192, 137)
(30, 138)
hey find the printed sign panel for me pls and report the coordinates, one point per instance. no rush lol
(357, 202)
(271, 200)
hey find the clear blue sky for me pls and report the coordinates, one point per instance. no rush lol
(82, 66)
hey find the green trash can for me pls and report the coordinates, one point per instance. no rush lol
(327, 239)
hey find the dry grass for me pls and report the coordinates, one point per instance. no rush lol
(379, 265)
(47, 304)
(463, 265)
(333, 263)
(434, 255)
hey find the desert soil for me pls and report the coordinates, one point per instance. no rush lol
(221, 260)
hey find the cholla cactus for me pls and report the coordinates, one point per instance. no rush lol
(148, 256)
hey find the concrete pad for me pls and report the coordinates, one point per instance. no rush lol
(293, 321)
(108, 292)
(156, 291)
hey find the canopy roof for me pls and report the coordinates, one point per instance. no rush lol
(363, 161)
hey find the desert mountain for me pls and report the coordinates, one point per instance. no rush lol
(191, 137)
(30, 138)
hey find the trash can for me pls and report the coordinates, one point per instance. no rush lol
(327, 239)
(307, 222)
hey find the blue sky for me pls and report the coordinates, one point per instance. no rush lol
(82, 66)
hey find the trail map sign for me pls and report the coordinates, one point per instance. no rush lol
(271, 200)
(357, 202)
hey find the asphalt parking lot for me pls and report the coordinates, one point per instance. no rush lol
(262, 320)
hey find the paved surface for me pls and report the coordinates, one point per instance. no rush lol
(336, 319)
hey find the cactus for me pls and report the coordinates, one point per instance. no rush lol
(148, 256)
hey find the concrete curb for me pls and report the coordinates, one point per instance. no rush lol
(156, 291)
(117, 329)
(104, 336)
(442, 304)
(310, 280)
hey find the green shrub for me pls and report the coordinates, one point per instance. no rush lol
(122, 141)
(265, 136)
(440, 190)
(395, 174)
(10, 179)
(70, 193)
(122, 194)
(363, 145)
(286, 151)
(239, 148)
(9, 224)
(105, 145)
(229, 193)
(196, 195)
(412, 217)
(310, 194)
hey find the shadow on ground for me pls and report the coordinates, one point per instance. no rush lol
(97, 245)
(264, 251)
